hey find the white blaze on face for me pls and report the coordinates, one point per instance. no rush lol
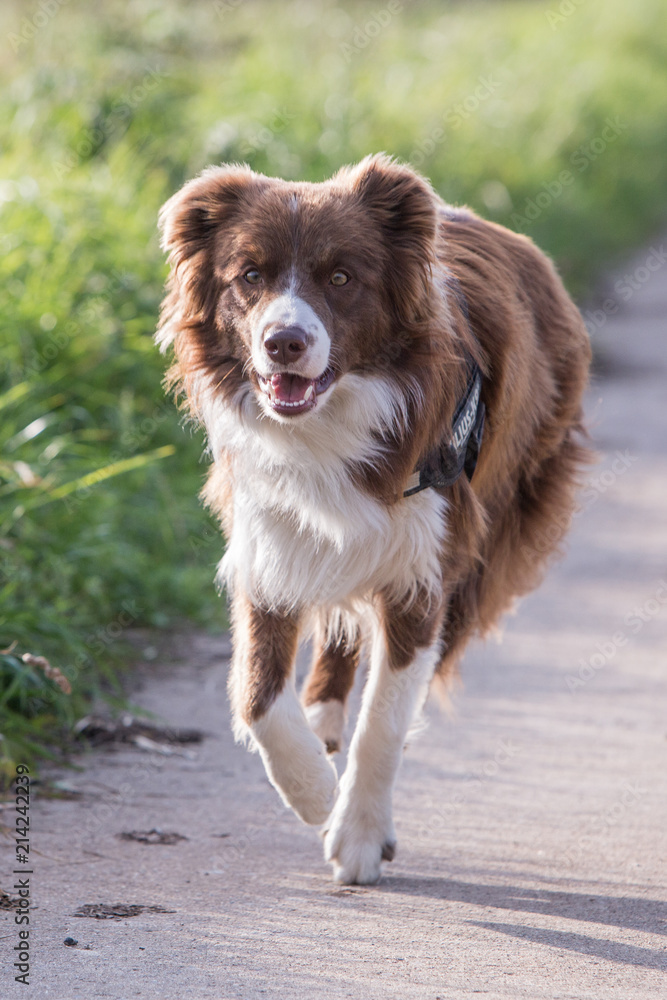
(288, 310)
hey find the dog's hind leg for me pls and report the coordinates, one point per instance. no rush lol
(405, 650)
(266, 709)
(328, 684)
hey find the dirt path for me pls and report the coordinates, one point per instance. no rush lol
(531, 824)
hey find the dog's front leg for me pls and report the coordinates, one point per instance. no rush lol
(405, 651)
(266, 708)
(328, 685)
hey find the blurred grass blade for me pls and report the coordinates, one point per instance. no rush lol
(12, 395)
(99, 475)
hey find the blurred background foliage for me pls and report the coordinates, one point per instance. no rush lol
(547, 117)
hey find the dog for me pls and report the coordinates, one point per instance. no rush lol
(391, 392)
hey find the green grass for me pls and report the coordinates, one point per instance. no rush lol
(106, 109)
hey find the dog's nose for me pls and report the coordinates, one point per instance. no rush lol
(286, 345)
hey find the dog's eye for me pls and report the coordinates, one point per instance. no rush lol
(339, 278)
(252, 276)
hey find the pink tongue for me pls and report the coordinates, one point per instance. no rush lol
(290, 388)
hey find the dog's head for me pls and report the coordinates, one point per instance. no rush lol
(280, 288)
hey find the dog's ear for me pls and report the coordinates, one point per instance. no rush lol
(189, 224)
(405, 206)
(189, 219)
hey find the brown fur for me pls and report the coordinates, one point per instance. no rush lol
(332, 673)
(408, 628)
(536, 358)
(268, 653)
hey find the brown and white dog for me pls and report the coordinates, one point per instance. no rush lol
(325, 335)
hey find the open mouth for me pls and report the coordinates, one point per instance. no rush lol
(291, 394)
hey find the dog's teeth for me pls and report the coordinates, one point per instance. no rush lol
(286, 402)
(309, 392)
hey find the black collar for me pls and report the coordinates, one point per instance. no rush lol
(458, 453)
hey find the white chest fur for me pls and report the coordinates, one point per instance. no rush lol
(303, 534)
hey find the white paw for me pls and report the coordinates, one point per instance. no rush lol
(327, 720)
(359, 837)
